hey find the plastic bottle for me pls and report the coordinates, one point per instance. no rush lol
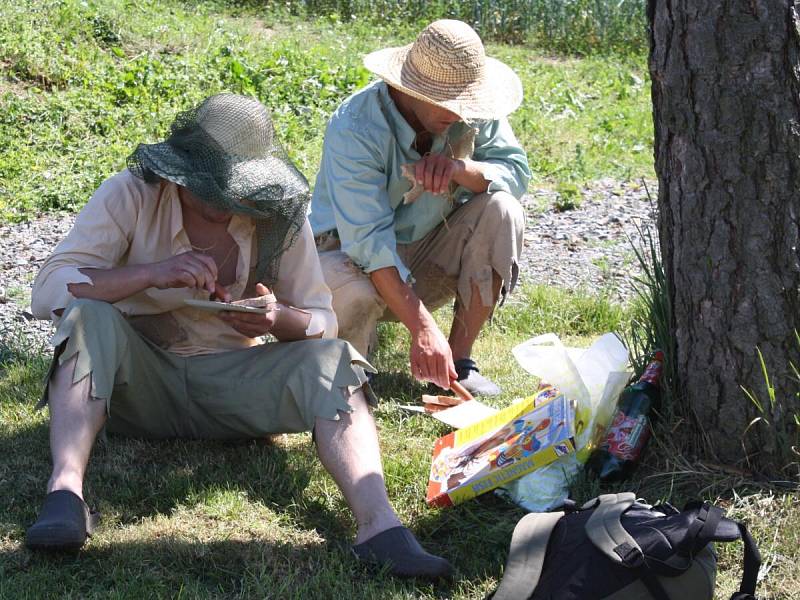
(629, 432)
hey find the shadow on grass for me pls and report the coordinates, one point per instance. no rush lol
(171, 567)
(393, 385)
(136, 479)
(167, 491)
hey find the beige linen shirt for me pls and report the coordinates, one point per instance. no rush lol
(128, 221)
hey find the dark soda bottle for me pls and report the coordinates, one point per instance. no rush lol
(629, 431)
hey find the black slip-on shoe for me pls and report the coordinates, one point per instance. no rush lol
(64, 523)
(399, 550)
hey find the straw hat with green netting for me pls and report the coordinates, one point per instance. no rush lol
(226, 153)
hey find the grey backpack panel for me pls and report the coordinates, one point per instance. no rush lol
(701, 576)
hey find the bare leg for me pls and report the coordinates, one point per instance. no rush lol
(349, 450)
(467, 322)
(75, 420)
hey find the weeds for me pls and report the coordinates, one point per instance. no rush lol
(568, 197)
(790, 447)
(562, 26)
(651, 321)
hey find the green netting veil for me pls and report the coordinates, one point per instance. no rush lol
(226, 153)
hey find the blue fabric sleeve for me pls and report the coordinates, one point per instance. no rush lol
(356, 183)
(507, 169)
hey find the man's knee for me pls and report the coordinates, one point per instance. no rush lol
(358, 306)
(92, 313)
(500, 207)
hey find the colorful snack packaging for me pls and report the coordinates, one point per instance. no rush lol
(517, 440)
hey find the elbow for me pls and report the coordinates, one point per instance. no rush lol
(40, 308)
(331, 330)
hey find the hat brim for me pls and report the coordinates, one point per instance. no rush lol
(497, 95)
(165, 161)
(162, 160)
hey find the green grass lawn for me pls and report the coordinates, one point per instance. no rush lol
(194, 519)
(81, 83)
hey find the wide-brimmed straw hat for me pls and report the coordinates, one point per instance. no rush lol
(447, 66)
(226, 153)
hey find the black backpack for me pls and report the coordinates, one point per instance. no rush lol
(616, 548)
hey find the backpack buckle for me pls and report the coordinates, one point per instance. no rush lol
(630, 555)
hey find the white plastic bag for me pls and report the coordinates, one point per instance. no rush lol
(593, 378)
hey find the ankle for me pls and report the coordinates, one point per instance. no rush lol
(376, 524)
(66, 480)
(463, 366)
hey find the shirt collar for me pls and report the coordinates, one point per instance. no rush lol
(169, 193)
(240, 227)
(404, 133)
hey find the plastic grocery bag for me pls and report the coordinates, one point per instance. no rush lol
(593, 378)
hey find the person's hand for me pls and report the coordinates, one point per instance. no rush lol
(435, 171)
(252, 325)
(189, 269)
(431, 357)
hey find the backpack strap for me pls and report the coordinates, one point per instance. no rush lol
(608, 535)
(752, 562)
(711, 525)
(526, 556)
(704, 527)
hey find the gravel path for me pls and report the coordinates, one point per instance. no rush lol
(585, 248)
(589, 248)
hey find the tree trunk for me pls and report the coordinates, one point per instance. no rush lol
(727, 150)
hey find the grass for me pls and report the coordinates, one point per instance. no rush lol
(83, 82)
(565, 26)
(194, 519)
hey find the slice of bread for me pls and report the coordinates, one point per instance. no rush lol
(259, 301)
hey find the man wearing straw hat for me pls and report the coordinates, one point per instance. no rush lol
(215, 211)
(416, 200)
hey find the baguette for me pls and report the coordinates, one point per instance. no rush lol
(460, 391)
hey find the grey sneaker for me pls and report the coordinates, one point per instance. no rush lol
(470, 377)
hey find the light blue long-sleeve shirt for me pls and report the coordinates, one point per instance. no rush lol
(360, 185)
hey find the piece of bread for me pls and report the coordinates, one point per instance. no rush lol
(441, 400)
(264, 301)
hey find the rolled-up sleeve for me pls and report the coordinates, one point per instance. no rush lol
(301, 284)
(357, 184)
(506, 164)
(99, 239)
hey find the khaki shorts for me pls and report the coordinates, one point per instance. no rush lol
(482, 236)
(278, 387)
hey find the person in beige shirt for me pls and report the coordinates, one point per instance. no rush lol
(215, 212)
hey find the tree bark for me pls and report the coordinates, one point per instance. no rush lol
(726, 106)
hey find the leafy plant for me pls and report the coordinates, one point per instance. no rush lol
(568, 197)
